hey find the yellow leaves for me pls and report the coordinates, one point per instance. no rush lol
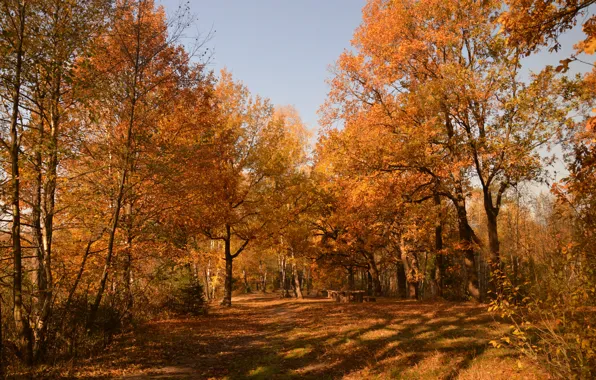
(588, 46)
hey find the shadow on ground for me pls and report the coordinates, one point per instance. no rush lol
(263, 337)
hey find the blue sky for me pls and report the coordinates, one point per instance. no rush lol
(281, 49)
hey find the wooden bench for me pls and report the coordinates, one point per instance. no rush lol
(346, 295)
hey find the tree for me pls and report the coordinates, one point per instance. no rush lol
(535, 23)
(63, 33)
(435, 76)
(255, 154)
(15, 46)
(135, 72)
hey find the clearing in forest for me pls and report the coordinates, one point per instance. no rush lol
(264, 337)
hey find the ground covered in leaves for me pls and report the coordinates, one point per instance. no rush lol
(264, 337)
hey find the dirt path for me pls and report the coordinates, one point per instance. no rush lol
(265, 337)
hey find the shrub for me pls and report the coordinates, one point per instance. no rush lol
(188, 298)
(552, 322)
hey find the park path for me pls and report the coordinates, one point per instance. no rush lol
(263, 337)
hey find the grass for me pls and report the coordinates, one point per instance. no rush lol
(264, 337)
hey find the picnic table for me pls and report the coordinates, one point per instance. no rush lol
(346, 295)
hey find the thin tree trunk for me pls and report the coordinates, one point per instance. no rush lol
(351, 277)
(369, 284)
(308, 280)
(49, 204)
(263, 277)
(195, 271)
(39, 276)
(73, 289)
(128, 277)
(247, 288)
(23, 331)
(2, 374)
(208, 280)
(438, 273)
(214, 284)
(227, 298)
(283, 277)
(297, 286)
(120, 198)
(110, 252)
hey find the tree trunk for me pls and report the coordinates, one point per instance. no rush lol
(493, 238)
(195, 271)
(374, 276)
(108, 262)
(49, 203)
(411, 271)
(308, 286)
(23, 331)
(492, 213)
(208, 280)
(2, 375)
(351, 277)
(73, 289)
(227, 298)
(214, 284)
(401, 279)
(263, 277)
(438, 273)
(376, 280)
(127, 165)
(128, 278)
(297, 286)
(467, 246)
(39, 276)
(283, 277)
(247, 288)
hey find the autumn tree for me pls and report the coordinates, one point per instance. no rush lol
(450, 92)
(255, 155)
(16, 47)
(536, 23)
(135, 73)
(63, 34)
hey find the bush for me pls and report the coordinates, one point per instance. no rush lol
(69, 335)
(188, 298)
(553, 323)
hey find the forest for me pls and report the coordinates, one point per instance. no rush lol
(160, 220)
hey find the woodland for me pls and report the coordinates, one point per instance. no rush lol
(160, 220)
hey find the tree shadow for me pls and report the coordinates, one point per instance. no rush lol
(265, 337)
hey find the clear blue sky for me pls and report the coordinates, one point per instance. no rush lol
(281, 49)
